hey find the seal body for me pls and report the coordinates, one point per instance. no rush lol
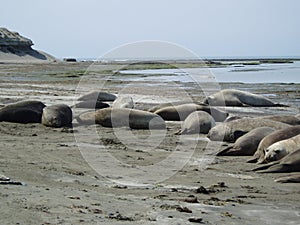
(247, 144)
(292, 120)
(272, 138)
(123, 117)
(98, 96)
(57, 115)
(289, 163)
(91, 105)
(181, 112)
(232, 130)
(232, 97)
(294, 178)
(282, 148)
(197, 122)
(22, 112)
(123, 102)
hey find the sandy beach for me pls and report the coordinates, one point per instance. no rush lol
(57, 182)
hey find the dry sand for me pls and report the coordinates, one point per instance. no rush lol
(61, 187)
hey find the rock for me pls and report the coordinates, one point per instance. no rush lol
(16, 48)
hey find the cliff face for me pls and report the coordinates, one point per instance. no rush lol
(16, 48)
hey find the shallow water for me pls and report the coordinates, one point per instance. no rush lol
(263, 73)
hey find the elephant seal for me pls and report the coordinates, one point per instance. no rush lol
(98, 96)
(232, 97)
(22, 112)
(282, 148)
(164, 105)
(289, 163)
(272, 138)
(247, 144)
(57, 115)
(123, 102)
(91, 105)
(181, 112)
(294, 178)
(291, 120)
(197, 122)
(132, 118)
(232, 130)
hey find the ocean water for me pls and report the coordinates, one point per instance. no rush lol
(263, 73)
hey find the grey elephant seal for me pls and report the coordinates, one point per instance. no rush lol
(231, 97)
(247, 144)
(232, 130)
(123, 102)
(289, 163)
(164, 105)
(282, 148)
(98, 96)
(132, 118)
(197, 122)
(181, 112)
(272, 138)
(22, 112)
(292, 120)
(91, 105)
(294, 178)
(57, 115)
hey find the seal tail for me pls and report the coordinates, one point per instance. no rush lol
(280, 105)
(224, 152)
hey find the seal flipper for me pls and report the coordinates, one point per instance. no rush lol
(225, 152)
(264, 167)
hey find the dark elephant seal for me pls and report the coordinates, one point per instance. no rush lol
(123, 102)
(231, 97)
(57, 115)
(292, 120)
(98, 96)
(289, 163)
(22, 112)
(181, 112)
(232, 130)
(282, 148)
(197, 122)
(294, 178)
(135, 119)
(247, 144)
(91, 105)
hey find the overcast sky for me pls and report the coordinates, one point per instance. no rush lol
(210, 28)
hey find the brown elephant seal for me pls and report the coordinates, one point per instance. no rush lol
(294, 178)
(123, 102)
(289, 163)
(132, 118)
(232, 97)
(232, 130)
(57, 115)
(91, 105)
(22, 112)
(272, 138)
(292, 120)
(98, 96)
(197, 122)
(282, 148)
(181, 112)
(247, 144)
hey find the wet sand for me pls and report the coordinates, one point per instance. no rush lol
(61, 187)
